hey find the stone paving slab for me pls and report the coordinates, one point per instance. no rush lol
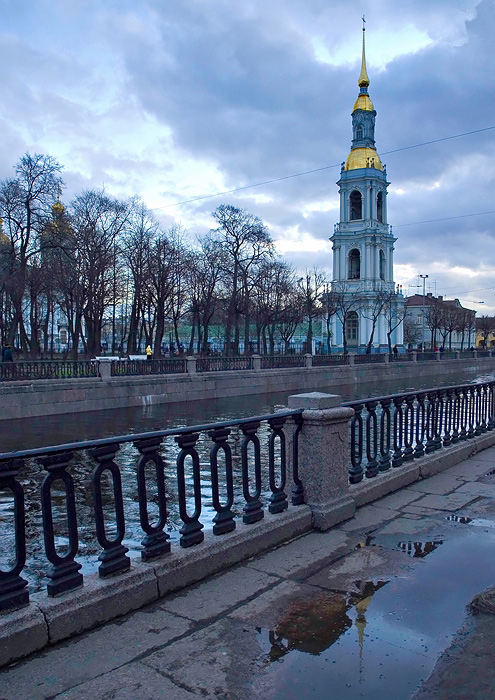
(453, 501)
(365, 564)
(88, 656)
(399, 499)
(310, 551)
(478, 489)
(219, 594)
(438, 484)
(132, 682)
(421, 511)
(266, 610)
(407, 526)
(367, 518)
(218, 661)
(475, 466)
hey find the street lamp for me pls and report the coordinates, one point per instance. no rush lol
(423, 277)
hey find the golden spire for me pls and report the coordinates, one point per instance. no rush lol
(363, 81)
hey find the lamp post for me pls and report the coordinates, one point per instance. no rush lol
(423, 277)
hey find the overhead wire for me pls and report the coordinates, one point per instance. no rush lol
(317, 170)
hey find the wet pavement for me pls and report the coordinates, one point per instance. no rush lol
(367, 610)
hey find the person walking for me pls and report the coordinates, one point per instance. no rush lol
(149, 353)
(7, 355)
(396, 351)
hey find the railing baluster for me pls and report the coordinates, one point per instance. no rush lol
(439, 415)
(397, 457)
(419, 449)
(191, 531)
(471, 411)
(356, 470)
(156, 541)
(297, 487)
(463, 413)
(63, 573)
(371, 440)
(113, 558)
(430, 422)
(447, 433)
(253, 510)
(224, 519)
(13, 588)
(385, 427)
(278, 499)
(490, 405)
(409, 428)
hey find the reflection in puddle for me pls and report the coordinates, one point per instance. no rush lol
(419, 549)
(312, 625)
(458, 519)
(382, 641)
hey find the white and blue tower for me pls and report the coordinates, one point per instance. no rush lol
(363, 244)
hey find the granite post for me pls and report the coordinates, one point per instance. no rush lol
(324, 457)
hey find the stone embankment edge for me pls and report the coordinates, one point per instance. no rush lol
(49, 620)
(51, 397)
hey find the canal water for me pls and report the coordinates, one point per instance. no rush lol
(59, 429)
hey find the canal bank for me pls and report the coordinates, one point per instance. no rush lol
(29, 399)
(365, 610)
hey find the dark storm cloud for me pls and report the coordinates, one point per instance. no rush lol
(238, 86)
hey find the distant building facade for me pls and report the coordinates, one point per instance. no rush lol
(437, 322)
(371, 306)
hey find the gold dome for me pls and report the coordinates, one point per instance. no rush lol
(363, 102)
(58, 208)
(4, 239)
(363, 158)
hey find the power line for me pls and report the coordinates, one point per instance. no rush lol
(318, 170)
(445, 218)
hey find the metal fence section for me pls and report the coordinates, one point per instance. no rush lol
(43, 369)
(374, 358)
(326, 360)
(255, 481)
(282, 361)
(387, 431)
(132, 368)
(219, 364)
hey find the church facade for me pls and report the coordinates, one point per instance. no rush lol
(368, 307)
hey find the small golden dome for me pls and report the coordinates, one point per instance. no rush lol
(58, 208)
(364, 102)
(363, 158)
(4, 239)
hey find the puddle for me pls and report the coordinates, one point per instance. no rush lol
(476, 522)
(382, 642)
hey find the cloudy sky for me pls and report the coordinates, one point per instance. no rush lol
(175, 100)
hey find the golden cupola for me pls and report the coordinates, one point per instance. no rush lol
(363, 153)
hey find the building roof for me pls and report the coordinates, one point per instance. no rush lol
(418, 300)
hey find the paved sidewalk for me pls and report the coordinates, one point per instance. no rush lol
(309, 612)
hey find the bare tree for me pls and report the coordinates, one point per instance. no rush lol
(485, 326)
(312, 287)
(246, 242)
(345, 303)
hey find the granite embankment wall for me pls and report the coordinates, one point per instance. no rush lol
(27, 399)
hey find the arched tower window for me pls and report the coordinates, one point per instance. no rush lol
(382, 265)
(379, 206)
(356, 205)
(354, 264)
(352, 329)
(359, 133)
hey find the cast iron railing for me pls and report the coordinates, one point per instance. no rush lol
(219, 364)
(282, 361)
(325, 360)
(43, 369)
(203, 454)
(387, 431)
(132, 368)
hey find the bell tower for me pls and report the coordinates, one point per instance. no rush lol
(363, 243)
